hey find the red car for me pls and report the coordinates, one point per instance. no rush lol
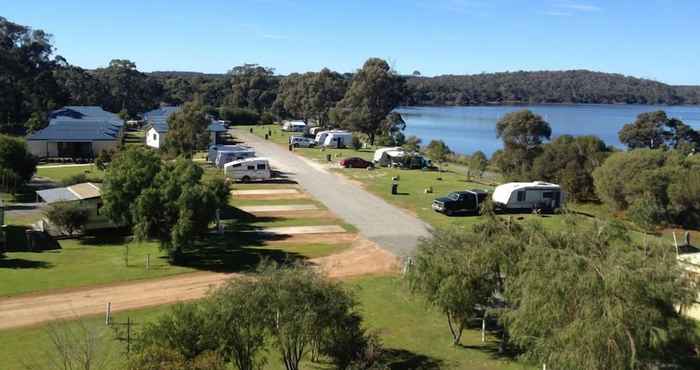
(355, 162)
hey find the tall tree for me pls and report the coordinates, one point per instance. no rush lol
(570, 161)
(187, 129)
(523, 133)
(588, 297)
(311, 95)
(129, 90)
(178, 208)
(130, 173)
(374, 92)
(17, 164)
(647, 131)
(252, 86)
(27, 84)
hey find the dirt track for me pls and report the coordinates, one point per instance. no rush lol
(34, 309)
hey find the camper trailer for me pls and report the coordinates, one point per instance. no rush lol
(246, 152)
(338, 139)
(250, 169)
(226, 156)
(294, 126)
(528, 196)
(388, 157)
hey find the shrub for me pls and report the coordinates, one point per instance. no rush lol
(356, 143)
(646, 213)
(103, 158)
(267, 118)
(70, 217)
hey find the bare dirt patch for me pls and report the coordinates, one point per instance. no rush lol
(363, 258)
(341, 238)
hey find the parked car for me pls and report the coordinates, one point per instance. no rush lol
(355, 162)
(301, 142)
(460, 202)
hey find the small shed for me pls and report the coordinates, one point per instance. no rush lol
(87, 195)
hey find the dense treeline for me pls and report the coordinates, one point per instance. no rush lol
(578, 86)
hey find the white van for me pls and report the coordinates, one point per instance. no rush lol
(250, 169)
(338, 139)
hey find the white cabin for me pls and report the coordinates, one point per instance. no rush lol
(338, 139)
(250, 169)
(528, 196)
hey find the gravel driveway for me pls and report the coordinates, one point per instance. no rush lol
(390, 227)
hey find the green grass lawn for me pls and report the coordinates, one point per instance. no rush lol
(415, 336)
(61, 173)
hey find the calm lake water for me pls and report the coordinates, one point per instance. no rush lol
(467, 129)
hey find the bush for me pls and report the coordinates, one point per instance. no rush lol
(267, 118)
(240, 116)
(17, 164)
(646, 213)
(79, 178)
(68, 216)
(103, 158)
(356, 143)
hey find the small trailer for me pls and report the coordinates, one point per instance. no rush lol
(294, 126)
(338, 139)
(528, 196)
(250, 169)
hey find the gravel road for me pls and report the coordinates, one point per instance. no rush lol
(390, 227)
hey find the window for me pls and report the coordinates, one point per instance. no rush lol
(521, 196)
(251, 168)
(261, 166)
(548, 195)
(236, 165)
(155, 137)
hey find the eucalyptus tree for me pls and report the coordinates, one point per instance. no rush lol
(374, 92)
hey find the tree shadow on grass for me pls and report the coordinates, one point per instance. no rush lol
(236, 252)
(106, 237)
(20, 263)
(401, 359)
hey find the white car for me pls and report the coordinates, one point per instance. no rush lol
(301, 142)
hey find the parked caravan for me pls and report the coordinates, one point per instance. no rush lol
(246, 152)
(250, 169)
(338, 139)
(528, 196)
(294, 126)
(387, 157)
(313, 131)
(226, 156)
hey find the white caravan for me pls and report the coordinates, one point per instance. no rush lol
(226, 156)
(294, 126)
(250, 169)
(338, 139)
(245, 151)
(322, 135)
(387, 157)
(528, 196)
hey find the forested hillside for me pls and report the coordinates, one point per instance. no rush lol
(578, 86)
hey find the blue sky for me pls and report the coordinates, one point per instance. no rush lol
(657, 39)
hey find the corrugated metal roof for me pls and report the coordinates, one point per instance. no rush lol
(56, 195)
(158, 118)
(85, 190)
(80, 124)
